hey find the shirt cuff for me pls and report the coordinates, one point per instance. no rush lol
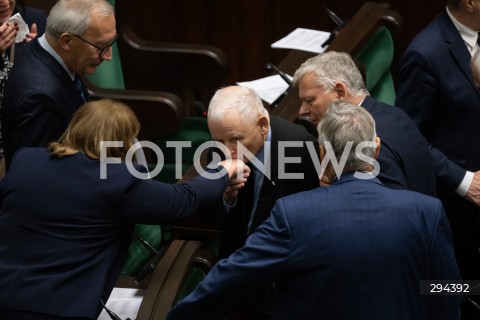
(465, 184)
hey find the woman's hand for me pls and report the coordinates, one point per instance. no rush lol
(8, 32)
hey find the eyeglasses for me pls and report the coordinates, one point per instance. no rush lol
(102, 50)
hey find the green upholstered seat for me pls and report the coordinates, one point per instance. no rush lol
(138, 255)
(376, 57)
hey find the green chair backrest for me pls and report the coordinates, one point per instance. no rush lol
(377, 57)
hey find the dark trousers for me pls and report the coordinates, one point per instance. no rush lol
(464, 218)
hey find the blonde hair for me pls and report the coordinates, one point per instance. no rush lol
(94, 122)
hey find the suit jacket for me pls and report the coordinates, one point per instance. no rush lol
(404, 157)
(354, 250)
(62, 249)
(436, 89)
(235, 225)
(39, 100)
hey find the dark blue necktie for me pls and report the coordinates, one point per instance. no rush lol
(79, 86)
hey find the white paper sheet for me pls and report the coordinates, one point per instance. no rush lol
(268, 88)
(22, 27)
(303, 39)
(125, 302)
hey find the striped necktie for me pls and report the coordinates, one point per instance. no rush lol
(79, 86)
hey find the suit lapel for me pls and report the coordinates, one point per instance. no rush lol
(62, 75)
(457, 47)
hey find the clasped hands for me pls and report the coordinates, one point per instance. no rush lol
(238, 173)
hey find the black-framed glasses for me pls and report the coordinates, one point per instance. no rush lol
(102, 50)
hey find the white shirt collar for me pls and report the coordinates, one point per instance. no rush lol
(468, 35)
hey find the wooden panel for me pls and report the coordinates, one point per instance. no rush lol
(244, 29)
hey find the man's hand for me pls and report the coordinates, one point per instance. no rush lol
(473, 193)
(33, 33)
(238, 173)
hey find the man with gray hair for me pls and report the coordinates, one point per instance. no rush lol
(44, 88)
(353, 250)
(404, 157)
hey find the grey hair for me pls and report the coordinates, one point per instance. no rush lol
(243, 100)
(344, 122)
(330, 68)
(74, 16)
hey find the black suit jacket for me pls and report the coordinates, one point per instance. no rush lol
(436, 89)
(39, 100)
(404, 157)
(235, 224)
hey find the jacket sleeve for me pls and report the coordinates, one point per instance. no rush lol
(154, 202)
(255, 265)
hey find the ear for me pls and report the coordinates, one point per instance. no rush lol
(263, 123)
(377, 149)
(65, 41)
(341, 90)
(469, 5)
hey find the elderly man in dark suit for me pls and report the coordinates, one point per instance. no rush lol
(404, 157)
(282, 156)
(44, 89)
(436, 89)
(353, 250)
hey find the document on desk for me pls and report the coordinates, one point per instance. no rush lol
(268, 88)
(125, 302)
(303, 39)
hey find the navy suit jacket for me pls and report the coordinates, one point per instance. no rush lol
(354, 250)
(299, 160)
(436, 89)
(65, 233)
(39, 100)
(404, 157)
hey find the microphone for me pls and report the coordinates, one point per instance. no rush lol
(339, 22)
(335, 18)
(200, 108)
(270, 66)
(152, 264)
